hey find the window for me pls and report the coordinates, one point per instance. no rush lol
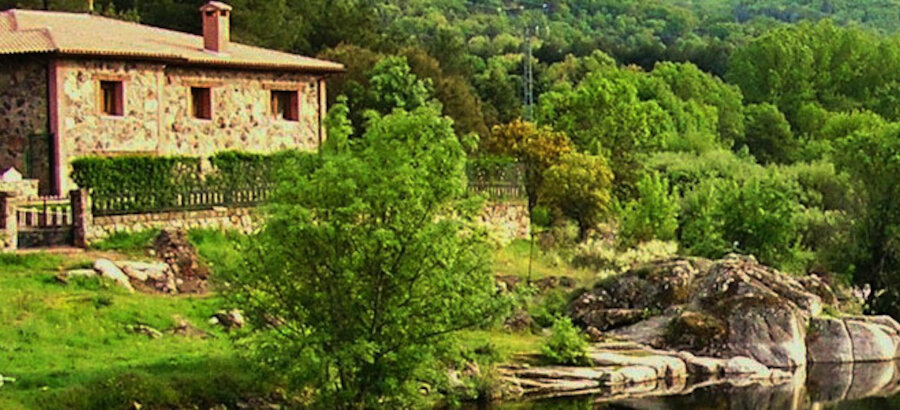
(201, 102)
(112, 99)
(286, 105)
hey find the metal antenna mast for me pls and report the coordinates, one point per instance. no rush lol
(528, 63)
(528, 79)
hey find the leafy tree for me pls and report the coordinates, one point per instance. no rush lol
(579, 187)
(537, 148)
(757, 216)
(393, 85)
(604, 115)
(768, 134)
(654, 215)
(690, 83)
(873, 256)
(360, 273)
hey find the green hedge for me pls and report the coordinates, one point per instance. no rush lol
(143, 183)
(236, 168)
(136, 174)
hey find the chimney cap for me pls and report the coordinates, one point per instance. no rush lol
(215, 6)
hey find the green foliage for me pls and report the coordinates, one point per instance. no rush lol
(142, 183)
(393, 86)
(768, 135)
(873, 252)
(565, 345)
(758, 216)
(127, 242)
(580, 188)
(363, 265)
(605, 116)
(246, 169)
(153, 180)
(536, 148)
(654, 215)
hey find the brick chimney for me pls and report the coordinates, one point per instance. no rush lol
(216, 30)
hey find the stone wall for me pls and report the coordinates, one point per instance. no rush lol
(158, 119)
(238, 219)
(8, 226)
(507, 220)
(24, 116)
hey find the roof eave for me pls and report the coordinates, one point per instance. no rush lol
(175, 59)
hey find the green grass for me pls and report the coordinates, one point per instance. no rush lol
(130, 243)
(69, 346)
(216, 248)
(514, 260)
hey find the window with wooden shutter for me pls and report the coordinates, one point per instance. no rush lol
(285, 105)
(201, 102)
(111, 98)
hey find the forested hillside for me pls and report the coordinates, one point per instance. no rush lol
(765, 127)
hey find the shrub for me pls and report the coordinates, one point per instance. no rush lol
(566, 345)
(654, 215)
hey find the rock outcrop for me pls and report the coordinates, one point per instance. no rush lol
(180, 270)
(731, 308)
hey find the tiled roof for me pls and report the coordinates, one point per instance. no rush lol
(26, 31)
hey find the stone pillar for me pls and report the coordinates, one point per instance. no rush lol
(9, 228)
(82, 216)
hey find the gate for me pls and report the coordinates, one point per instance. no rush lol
(45, 222)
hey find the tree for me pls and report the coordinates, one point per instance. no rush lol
(393, 85)
(579, 186)
(363, 270)
(872, 159)
(768, 134)
(653, 215)
(758, 216)
(536, 148)
(604, 115)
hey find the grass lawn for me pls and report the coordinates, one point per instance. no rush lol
(514, 260)
(63, 342)
(71, 345)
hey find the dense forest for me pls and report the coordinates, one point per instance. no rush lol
(765, 127)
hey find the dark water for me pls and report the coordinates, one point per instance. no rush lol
(851, 386)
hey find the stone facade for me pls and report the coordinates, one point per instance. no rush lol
(507, 220)
(157, 112)
(24, 116)
(244, 220)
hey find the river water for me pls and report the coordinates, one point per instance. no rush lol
(850, 386)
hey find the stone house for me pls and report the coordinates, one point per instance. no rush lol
(74, 85)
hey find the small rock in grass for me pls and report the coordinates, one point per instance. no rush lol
(232, 319)
(108, 269)
(146, 330)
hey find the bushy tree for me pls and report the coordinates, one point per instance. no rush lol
(537, 148)
(653, 215)
(873, 255)
(579, 186)
(392, 85)
(768, 134)
(366, 265)
(604, 115)
(757, 216)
